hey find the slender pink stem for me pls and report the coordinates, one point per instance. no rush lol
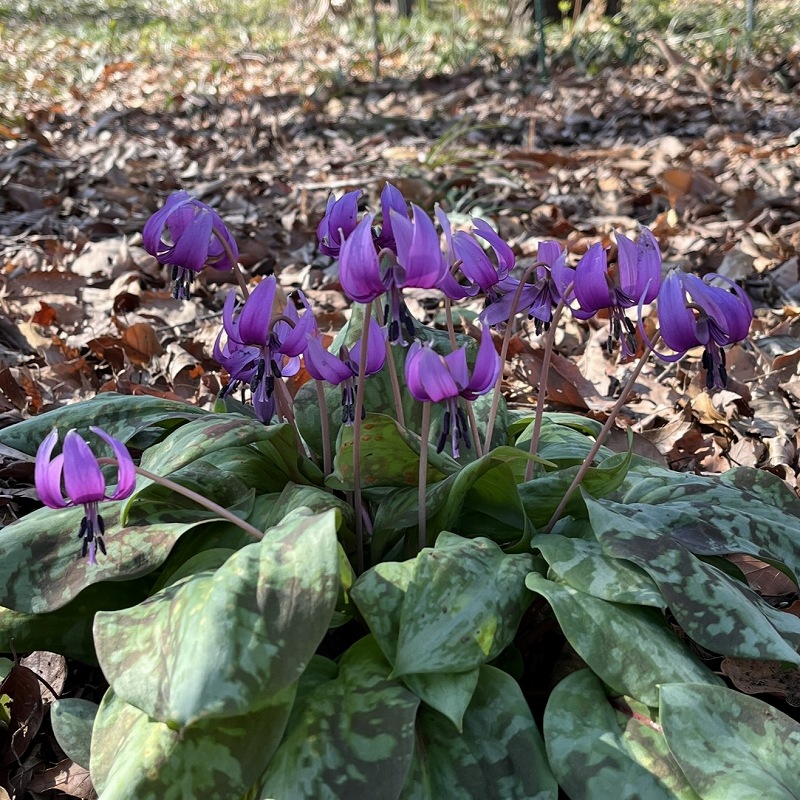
(451, 333)
(587, 462)
(195, 497)
(542, 396)
(324, 428)
(487, 441)
(393, 380)
(237, 271)
(357, 503)
(423, 474)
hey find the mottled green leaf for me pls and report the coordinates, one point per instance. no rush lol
(72, 719)
(542, 496)
(630, 647)
(582, 564)
(714, 609)
(731, 746)
(389, 456)
(352, 737)
(754, 513)
(41, 568)
(500, 753)
(379, 594)
(120, 415)
(136, 758)
(68, 630)
(462, 606)
(564, 439)
(598, 752)
(222, 643)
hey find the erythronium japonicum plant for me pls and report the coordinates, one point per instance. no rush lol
(319, 597)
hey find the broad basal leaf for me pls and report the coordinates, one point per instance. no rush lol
(598, 752)
(499, 754)
(731, 746)
(352, 737)
(222, 643)
(137, 758)
(630, 647)
(72, 719)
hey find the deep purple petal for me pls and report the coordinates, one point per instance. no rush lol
(83, 479)
(427, 377)
(359, 269)
(190, 250)
(447, 229)
(639, 265)
(323, 365)
(420, 258)
(338, 223)
(457, 366)
(487, 368)
(676, 321)
(293, 340)
(391, 200)
(591, 284)
(154, 227)
(475, 264)
(737, 308)
(47, 473)
(376, 348)
(219, 258)
(505, 255)
(255, 316)
(126, 476)
(550, 253)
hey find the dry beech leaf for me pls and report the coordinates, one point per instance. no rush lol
(764, 677)
(763, 577)
(141, 343)
(67, 777)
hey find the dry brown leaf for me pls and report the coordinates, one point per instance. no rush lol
(764, 677)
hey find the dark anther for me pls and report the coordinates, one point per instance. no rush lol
(101, 525)
(174, 274)
(84, 526)
(101, 544)
(276, 370)
(394, 330)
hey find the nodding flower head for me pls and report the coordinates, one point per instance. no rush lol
(342, 368)
(261, 346)
(693, 313)
(432, 378)
(188, 235)
(483, 274)
(637, 276)
(551, 282)
(338, 223)
(83, 482)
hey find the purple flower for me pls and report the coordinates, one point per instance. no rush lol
(343, 367)
(83, 481)
(464, 250)
(392, 200)
(432, 378)
(636, 278)
(692, 313)
(261, 346)
(366, 274)
(188, 235)
(338, 223)
(552, 282)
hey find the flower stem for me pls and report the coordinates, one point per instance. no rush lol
(357, 503)
(237, 270)
(194, 496)
(324, 428)
(393, 380)
(542, 395)
(451, 332)
(487, 441)
(587, 462)
(423, 474)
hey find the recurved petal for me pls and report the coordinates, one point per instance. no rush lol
(47, 473)
(551, 253)
(733, 311)
(487, 368)
(323, 365)
(420, 258)
(677, 322)
(457, 366)
(83, 479)
(191, 246)
(392, 200)
(359, 269)
(505, 255)
(255, 316)
(126, 475)
(475, 264)
(376, 348)
(639, 265)
(427, 376)
(293, 340)
(154, 227)
(591, 284)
